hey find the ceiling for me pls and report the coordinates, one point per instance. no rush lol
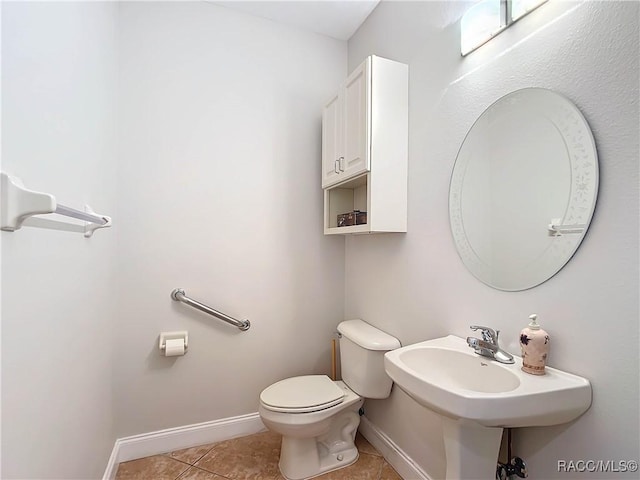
(336, 18)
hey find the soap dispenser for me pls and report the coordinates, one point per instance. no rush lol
(534, 343)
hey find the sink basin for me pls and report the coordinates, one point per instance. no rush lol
(458, 371)
(477, 397)
(446, 375)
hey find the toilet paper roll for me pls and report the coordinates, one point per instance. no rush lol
(174, 348)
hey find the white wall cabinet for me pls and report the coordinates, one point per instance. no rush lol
(365, 148)
(346, 130)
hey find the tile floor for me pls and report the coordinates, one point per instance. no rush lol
(254, 457)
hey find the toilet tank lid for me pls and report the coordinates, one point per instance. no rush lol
(367, 336)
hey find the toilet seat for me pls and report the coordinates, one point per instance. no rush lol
(304, 394)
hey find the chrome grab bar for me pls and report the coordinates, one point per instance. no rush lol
(179, 296)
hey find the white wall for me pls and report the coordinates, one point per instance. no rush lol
(198, 129)
(220, 124)
(58, 117)
(415, 287)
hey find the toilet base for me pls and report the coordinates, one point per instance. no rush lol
(299, 462)
(303, 458)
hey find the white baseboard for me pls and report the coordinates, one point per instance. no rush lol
(154, 443)
(393, 454)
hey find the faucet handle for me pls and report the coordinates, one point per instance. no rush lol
(488, 334)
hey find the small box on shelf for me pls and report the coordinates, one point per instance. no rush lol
(355, 217)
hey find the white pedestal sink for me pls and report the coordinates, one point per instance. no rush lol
(477, 397)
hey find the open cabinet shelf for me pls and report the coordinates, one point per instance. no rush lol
(344, 198)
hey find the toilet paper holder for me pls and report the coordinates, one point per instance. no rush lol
(181, 335)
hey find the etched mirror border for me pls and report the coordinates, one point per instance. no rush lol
(582, 155)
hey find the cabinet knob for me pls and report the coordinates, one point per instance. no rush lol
(341, 164)
(336, 165)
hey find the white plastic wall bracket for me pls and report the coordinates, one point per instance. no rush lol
(19, 203)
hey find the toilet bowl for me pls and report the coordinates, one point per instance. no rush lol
(317, 417)
(320, 438)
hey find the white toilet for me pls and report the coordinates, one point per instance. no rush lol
(318, 417)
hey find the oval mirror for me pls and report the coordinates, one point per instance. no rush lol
(523, 189)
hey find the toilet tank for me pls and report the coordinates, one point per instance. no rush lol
(362, 349)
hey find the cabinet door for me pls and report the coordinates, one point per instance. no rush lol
(331, 141)
(356, 127)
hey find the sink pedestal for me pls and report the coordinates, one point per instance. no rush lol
(471, 449)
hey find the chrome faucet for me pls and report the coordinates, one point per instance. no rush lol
(488, 346)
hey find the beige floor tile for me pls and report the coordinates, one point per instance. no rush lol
(254, 457)
(158, 467)
(388, 473)
(248, 458)
(364, 446)
(366, 468)
(195, 473)
(191, 455)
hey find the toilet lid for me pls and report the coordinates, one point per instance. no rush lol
(308, 393)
